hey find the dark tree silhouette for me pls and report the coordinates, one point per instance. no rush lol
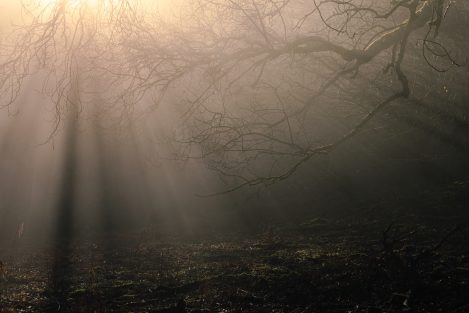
(246, 76)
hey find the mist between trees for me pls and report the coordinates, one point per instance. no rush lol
(252, 90)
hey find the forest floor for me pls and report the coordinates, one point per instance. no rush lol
(414, 264)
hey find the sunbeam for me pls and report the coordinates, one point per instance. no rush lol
(234, 156)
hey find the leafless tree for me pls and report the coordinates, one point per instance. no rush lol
(246, 76)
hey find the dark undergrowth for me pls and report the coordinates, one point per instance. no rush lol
(413, 263)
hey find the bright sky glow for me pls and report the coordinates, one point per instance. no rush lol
(91, 3)
(12, 12)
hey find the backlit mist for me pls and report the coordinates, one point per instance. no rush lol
(233, 156)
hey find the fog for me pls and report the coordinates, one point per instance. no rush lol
(204, 119)
(106, 152)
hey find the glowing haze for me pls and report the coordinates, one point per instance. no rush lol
(87, 167)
